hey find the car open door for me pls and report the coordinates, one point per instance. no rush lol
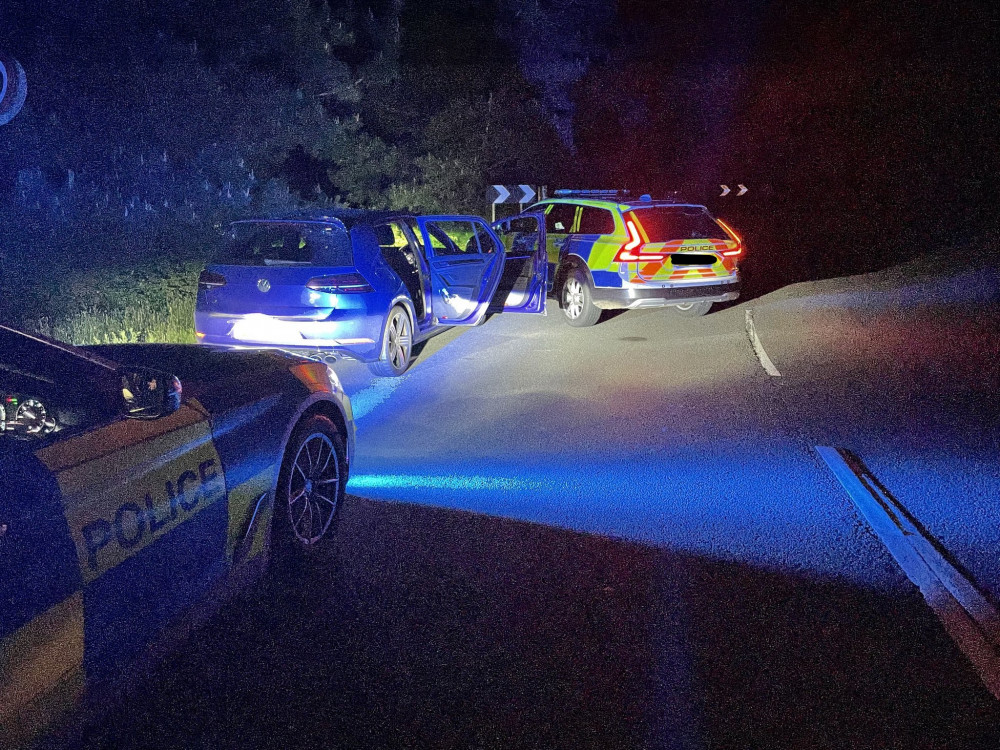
(466, 261)
(523, 283)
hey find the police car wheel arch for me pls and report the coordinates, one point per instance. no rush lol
(316, 404)
(566, 266)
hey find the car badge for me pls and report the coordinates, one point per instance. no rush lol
(264, 285)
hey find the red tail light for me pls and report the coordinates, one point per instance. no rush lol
(739, 241)
(631, 251)
(209, 280)
(341, 283)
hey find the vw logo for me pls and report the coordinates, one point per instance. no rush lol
(264, 285)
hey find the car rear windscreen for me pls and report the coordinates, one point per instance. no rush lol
(665, 223)
(274, 243)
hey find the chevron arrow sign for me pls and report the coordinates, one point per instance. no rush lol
(726, 190)
(510, 194)
(498, 194)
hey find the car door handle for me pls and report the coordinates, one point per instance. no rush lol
(461, 261)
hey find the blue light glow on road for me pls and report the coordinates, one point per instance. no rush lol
(686, 501)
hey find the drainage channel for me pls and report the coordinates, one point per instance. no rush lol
(971, 620)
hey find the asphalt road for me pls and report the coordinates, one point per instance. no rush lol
(623, 537)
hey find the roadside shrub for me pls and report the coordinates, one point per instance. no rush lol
(154, 303)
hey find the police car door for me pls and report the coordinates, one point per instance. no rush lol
(466, 263)
(144, 501)
(523, 284)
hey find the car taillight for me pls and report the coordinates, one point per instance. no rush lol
(631, 251)
(209, 280)
(341, 283)
(739, 241)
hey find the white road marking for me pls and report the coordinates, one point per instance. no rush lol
(970, 619)
(758, 348)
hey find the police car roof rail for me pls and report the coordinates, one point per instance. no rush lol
(672, 197)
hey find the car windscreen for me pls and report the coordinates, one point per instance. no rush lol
(275, 243)
(665, 223)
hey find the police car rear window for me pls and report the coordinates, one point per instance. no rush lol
(664, 223)
(288, 244)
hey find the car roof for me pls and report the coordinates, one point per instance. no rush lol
(349, 217)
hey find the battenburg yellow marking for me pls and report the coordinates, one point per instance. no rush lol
(118, 502)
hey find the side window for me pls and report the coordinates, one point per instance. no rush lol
(486, 242)
(596, 221)
(453, 237)
(559, 219)
(44, 390)
(391, 236)
(519, 235)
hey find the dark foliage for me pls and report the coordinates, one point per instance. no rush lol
(865, 131)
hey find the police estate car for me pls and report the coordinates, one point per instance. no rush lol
(607, 251)
(141, 484)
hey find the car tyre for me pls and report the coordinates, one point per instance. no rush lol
(397, 345)
(311, 489)
(577, 299)
(693, 309)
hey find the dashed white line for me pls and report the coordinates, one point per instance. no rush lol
(758, 348)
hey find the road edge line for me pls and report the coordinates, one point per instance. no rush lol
(971, 621)
(758, 347)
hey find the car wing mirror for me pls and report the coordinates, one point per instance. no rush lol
(148, 394)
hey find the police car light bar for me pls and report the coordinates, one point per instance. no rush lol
(590, 193)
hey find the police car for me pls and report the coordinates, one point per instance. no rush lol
(608, 251)
(142, 484)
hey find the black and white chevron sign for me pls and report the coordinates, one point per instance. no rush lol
(510, 194)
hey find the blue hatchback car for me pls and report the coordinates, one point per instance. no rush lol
(366, 285)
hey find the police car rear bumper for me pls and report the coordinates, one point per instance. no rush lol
(632, 297)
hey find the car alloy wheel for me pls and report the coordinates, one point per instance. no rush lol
(400, 340)
(573, 298)
(397, 347)
(577, 304)
(313, 487)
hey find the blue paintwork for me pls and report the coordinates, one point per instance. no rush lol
(607, 279)
(350, 324)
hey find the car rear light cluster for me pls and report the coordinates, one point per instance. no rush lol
(739, 242)
(631, 251)
(341, 283)
(210, 280)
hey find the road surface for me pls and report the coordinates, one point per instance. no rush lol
(623, 537)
